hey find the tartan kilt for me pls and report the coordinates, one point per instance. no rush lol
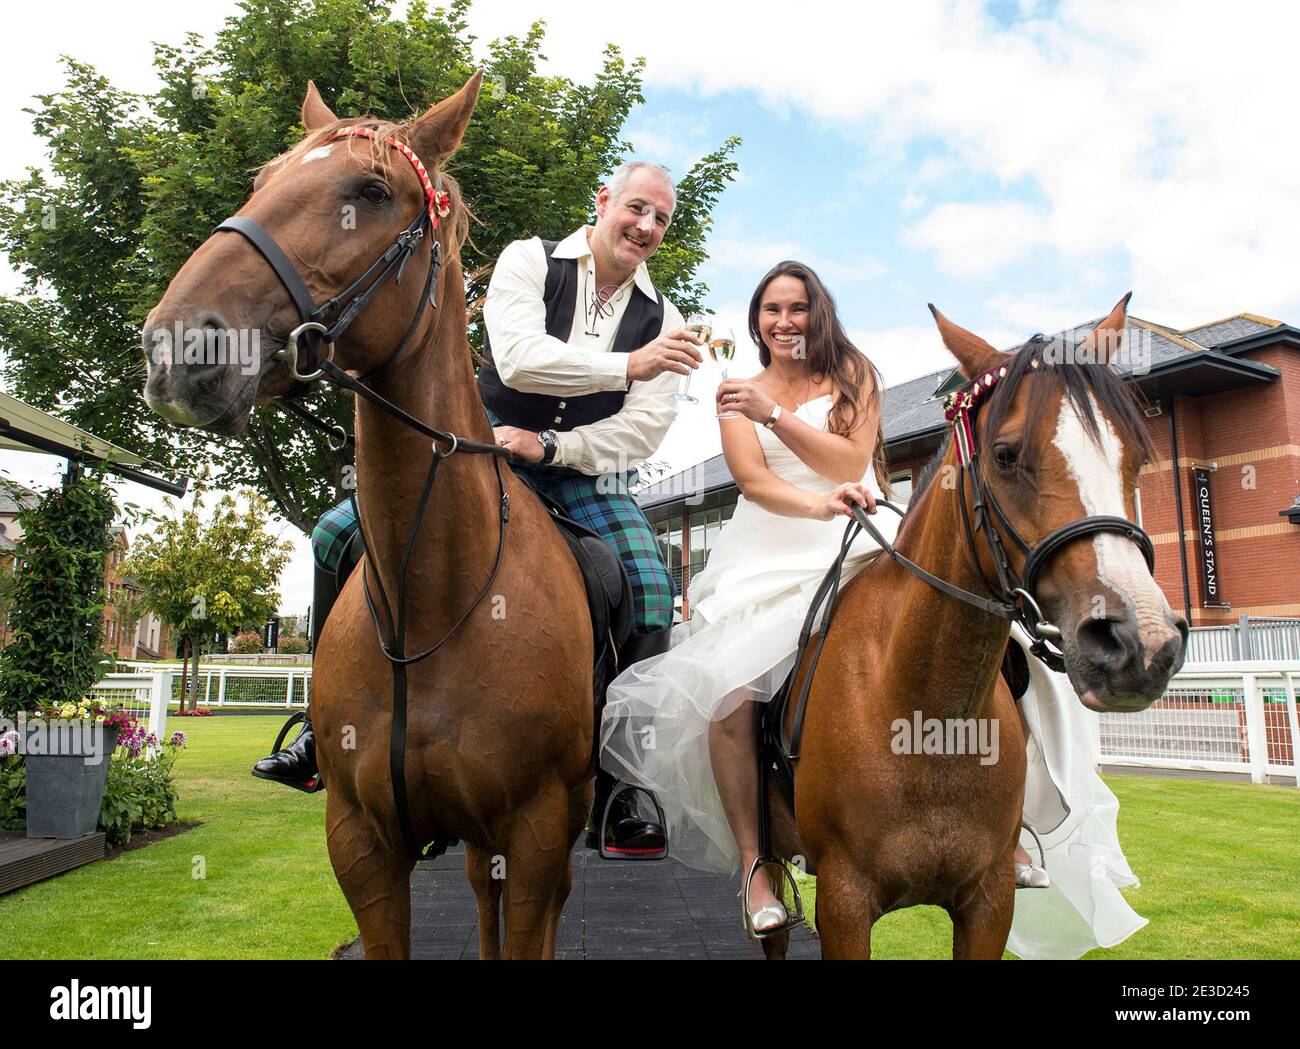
(602, 504)
(330, 536)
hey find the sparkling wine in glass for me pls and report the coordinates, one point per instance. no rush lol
(722, 348)
(701, 326)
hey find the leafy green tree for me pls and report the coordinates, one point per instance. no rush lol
(136, 183)
(53, 656)
(207, 575)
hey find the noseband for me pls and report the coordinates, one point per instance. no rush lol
(304, 344)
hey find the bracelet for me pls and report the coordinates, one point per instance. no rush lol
(774, 417)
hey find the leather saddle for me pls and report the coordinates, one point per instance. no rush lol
(609, 591)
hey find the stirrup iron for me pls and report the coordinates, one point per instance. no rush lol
(793, 921)
(630, 854)
(310, 786)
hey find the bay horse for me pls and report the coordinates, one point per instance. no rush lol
(1054, 450)
(499, 733)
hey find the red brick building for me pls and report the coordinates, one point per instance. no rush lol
(1223, 398)
(144, 638)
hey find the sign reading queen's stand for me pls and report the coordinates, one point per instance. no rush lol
(1211, 578)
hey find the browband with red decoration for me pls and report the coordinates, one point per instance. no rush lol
(959, 406)
(438, 198)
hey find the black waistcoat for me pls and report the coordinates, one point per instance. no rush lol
(641, 323)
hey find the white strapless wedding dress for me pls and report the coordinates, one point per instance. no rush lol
(747, 608)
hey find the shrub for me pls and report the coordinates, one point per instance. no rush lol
(293, 646)
(58, 597)
(247, 643)
(13, 785)
(139, 793)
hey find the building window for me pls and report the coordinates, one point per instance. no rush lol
(900, 482)
(706, 525)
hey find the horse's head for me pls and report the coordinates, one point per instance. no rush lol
(334, 205)
(1059, 439)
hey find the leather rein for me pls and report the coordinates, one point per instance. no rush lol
(303, 347)
(1011, 598)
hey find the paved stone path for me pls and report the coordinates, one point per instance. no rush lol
(616, 910)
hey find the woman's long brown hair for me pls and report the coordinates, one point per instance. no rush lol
(830, 352)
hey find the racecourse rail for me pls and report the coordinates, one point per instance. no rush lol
(1233, 716)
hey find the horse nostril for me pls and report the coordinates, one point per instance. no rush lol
(1107, 642)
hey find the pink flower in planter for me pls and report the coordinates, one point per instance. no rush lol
(178, 739)
(8, 744)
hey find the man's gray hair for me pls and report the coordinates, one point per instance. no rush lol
(618, 180)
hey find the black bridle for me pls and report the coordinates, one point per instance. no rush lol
(1010, 598)
(304, 344)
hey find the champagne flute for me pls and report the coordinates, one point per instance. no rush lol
(701, 326)
(722, 348)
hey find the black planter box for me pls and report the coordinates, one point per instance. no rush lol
(65, 787)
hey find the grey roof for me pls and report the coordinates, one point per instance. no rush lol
(909, 409)
(8, 505)
(707, 476)
(1219, 332)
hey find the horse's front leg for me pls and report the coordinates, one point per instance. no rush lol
(846, 909)
(482, 867)
(375, 879)
(981, 920)
(537, 878)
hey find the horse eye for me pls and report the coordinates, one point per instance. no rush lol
(375, 193)
(1006, 456)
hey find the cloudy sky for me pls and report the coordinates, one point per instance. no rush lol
(1021, 164)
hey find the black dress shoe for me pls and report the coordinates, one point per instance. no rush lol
(295, 765)
(628, 835)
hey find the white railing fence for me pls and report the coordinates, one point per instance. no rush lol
(1223, 717)
(1229, 716)
(136, 694)
(222, 686)
(259, 659)
(1250, 638)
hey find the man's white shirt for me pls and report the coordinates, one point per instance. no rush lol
(530, 361)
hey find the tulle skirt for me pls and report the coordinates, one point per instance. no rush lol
(748, 607)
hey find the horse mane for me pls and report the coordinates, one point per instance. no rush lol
(1073, 379)
(457, 221)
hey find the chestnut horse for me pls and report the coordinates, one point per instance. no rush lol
(1054, 443)
(499, 740)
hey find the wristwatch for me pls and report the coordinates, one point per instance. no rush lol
(550, 444)
(776, 414)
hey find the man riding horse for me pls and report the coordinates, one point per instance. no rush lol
(581, 356)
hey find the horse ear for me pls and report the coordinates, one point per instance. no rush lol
(315, 113)
(1103, 342)
(438, 133)
(971, 351)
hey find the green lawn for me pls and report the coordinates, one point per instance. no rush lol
(1217, 862)
(268, 890)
